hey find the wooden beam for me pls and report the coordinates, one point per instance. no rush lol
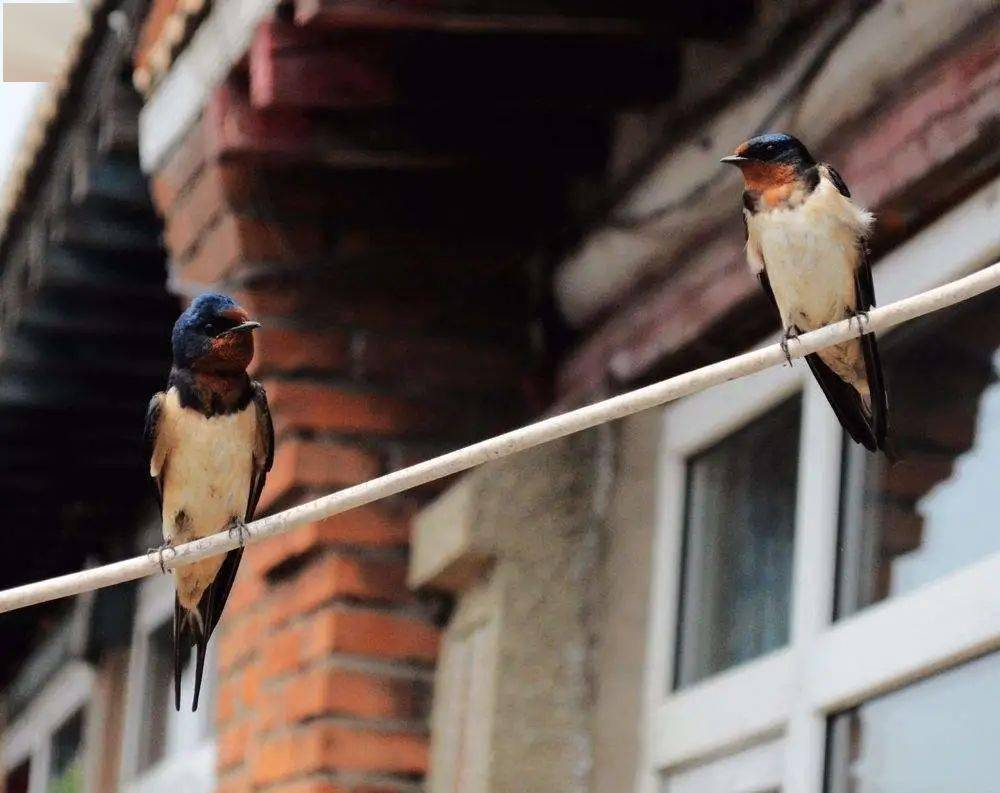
(236, 129)
(73, 271)
(295, 67)
(96, 232)
(112, 184)
(455, 17)
(53, 321)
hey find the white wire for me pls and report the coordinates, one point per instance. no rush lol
(504, 445)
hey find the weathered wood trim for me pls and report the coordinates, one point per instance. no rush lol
(687, 179)
(218, 44)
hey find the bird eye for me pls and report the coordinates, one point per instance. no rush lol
(210, 328)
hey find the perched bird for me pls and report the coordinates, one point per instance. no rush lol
(211, 444)
(807, 244)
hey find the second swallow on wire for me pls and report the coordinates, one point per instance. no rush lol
(807, 243)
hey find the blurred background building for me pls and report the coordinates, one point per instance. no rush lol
(453, 217)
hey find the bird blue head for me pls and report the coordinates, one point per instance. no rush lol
(775, 148)
(214, 334)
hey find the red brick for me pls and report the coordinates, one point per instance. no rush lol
(249, 681)
(336, 576)
(294, 350)
(325, 692)
(375, 525)
(333, 747)
(369, 311)
(152, 29)
(234, 128)
(292, 66)
(344, 576)
(371, 525)
(246, 592)
(232, 744)
(314, 786)
(239, 641)
(306, 464)
(235, 782)
(283, 651)
(369, 633)
(436, 362)
(312, 406)
(226, 699)
(275, 550)
(194, 212)
(181, 166)
(238, 239)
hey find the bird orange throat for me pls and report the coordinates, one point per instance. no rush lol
(772, 184)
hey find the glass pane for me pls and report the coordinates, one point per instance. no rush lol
(158, 696)
(907, 524)
(66, 768)
(756, 769)
(938, 736)
(172, 732)
(17, 780)
(739, 534)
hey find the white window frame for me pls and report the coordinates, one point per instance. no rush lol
(29, 737)
(190, 771)
(784, 698)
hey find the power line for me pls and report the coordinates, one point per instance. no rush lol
(507, 444)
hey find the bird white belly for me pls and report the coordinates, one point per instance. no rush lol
(810, 253)
(209, 481)
(209, 466)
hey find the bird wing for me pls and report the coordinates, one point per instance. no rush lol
(843, 398)
(765, 284)
(213, 600)
(845, 401)
(870, 431)
(264, 450)
(756, 259)
(156, 453)
(836, 178)
(864, 295)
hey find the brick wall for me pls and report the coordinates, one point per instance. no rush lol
(376, 351)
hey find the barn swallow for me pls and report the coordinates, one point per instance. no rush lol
(211, 444)
(807, 243)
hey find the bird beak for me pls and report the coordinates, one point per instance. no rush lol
(734, 159)
(246, 326)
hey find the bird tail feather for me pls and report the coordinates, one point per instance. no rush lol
(189, 632)
(193, 628)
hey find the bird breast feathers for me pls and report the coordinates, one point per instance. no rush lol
(810, 252)
(207, 460)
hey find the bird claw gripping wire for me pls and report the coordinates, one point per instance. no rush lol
(791, 332)
(863, 320)
(158, 551)
(238, 528)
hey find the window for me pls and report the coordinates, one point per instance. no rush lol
(165, 749)
(767, 668)
(46, 745)
(902, 742)
(465, 685)
(754, 770)
(911, 523)
(66, 757)
(739, 530)
(16, 780)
